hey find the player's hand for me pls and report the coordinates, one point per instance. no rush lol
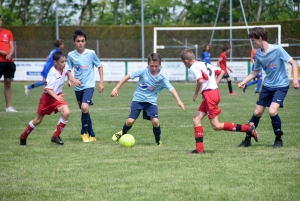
(242, 85)
(114, 92)
(180, 104)
(101, 86)
(195, 97)
(76, 82)
(230, 70)
(296, 84)
(69, 83)
(60, 98)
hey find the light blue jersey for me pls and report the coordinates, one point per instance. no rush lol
(273, 63)
(83, 65)
(149, 85)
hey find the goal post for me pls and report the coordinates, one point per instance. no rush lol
(157, 46)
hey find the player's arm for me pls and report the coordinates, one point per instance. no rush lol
(101, 83)
(250, 77)
(72, 79)
(176, 96)
(59, 97)
(220, 77)
(295, 73)
(119, 85)
(198, 87)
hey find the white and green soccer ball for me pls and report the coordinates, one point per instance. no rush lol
(127, 140)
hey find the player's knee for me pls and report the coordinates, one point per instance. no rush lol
(84, 108)
(155, 122)
(130, 122)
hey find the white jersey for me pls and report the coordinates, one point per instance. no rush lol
(55, 80)
(207, 73)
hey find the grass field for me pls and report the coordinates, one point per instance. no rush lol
(106, 171)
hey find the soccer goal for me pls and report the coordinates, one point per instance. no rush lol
(169, 41)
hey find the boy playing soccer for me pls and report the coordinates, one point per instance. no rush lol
(83, 61)
(59, 46)
(151, 81)
(206, 81)
(52, 100)
(272, 59)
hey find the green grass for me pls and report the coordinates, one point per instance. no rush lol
(106, 171)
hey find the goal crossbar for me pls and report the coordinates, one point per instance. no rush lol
(156, 29)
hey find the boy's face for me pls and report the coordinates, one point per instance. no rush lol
(257, 43)
(154, 66)
(80, 42)
(60, 63)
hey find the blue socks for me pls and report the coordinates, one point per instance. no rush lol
(36, 84)
(156, 132)
(276, 123)
(125, 128)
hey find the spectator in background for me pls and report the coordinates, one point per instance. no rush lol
(222, 63)
(59, 46)
(7, 65)
(205, 56)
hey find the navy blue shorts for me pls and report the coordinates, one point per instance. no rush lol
(269, 95)
(149, 110)
(84, 96)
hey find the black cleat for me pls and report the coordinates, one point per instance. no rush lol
(278, 144)
(197, 152)
(245, 143)
(244, 89)
(57, 140)
(22, 141)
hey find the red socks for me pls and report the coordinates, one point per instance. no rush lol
(229, 126)
(198, 134)
(27, 130)
(60, 127)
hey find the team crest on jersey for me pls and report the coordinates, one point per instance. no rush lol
(86, 59)
(271, 58)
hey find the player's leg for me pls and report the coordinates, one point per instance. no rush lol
(277, 102)
(62, 122)
(198, 132)
(265, 99)
(150, 112)
(259, 82)
(229, 85)
(135, 110)
(34, 85)
(29, 128)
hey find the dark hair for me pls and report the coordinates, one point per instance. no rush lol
(154, 57)
(58, 42)
(226, 47)
(204, 48)
(57, 55)
(77, 33)
(187, 54)
(259, 32)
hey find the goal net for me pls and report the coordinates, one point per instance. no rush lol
(169, 41)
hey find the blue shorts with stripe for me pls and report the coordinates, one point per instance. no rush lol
(269, 95)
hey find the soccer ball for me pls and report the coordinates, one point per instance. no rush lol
(127, 140)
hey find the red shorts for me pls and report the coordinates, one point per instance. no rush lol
(48, 104)
(209, 105)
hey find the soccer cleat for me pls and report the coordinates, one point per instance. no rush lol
(197, 152)
(252, 131)
(232, 93)
(92, 139)
(117, 136)
(57, 140)
(22, 141)
(11, 109)
(26, 90)
(159, 143)
(85, 137)
(245, 143)
(278, 144)
(244, 89)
